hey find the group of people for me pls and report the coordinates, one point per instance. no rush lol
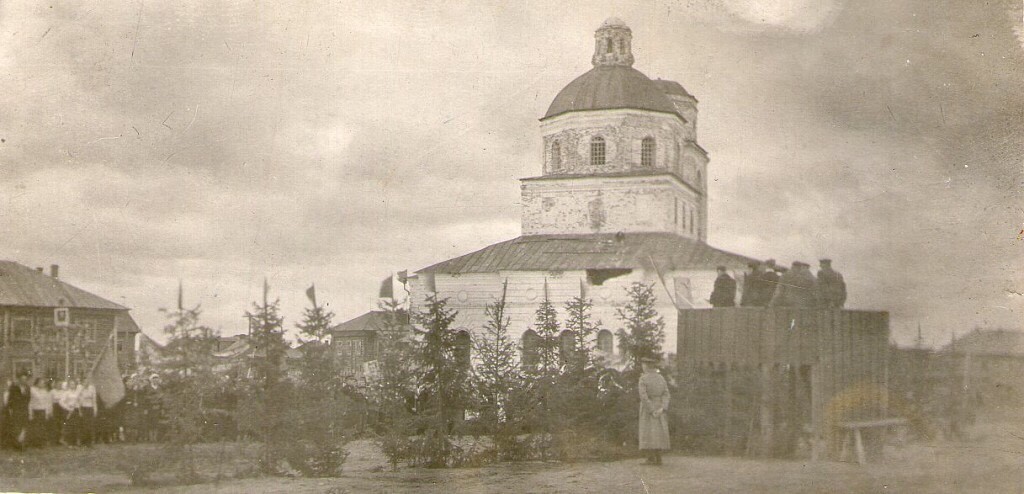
(769, 285)
(38, 415)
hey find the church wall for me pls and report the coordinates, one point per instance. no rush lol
(470, 294)
(620, 204)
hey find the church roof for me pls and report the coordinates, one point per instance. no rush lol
(593, 251)
(607, 87)
(23, 286)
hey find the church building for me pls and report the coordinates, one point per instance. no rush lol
(622, 197)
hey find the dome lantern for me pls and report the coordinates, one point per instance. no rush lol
(612, 44)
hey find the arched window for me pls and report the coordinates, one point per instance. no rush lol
(647, 152)
(609, 48)
(605, 342)
(691, 221)
(597, 151)
(463, 345)
(566, 345)
(700, 182)
(531, 344)
(556, 155)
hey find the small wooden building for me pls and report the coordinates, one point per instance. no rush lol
(770, 381)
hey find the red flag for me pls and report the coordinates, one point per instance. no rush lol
(107, 377)
(311, 293)
(386, 290)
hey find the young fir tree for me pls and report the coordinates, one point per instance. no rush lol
(497, 375)
(643, 330)
(443, 380)
(542, 375)
(392, 388)
(580, 321)
(188, 387)
(268, 394)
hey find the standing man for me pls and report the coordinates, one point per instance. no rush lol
(831, 287)
(87, 412)
(654, 397)
(724, 294)
(18, 396)
(796, 288)
(769, 283)
(753, 285)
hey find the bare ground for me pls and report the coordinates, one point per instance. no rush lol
(990, 462)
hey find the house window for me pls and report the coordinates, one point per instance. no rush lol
(605, 342)
(597, 150)
(531, 342)
(21, 329)
(556, 156)
(647, 152)
(125, 341)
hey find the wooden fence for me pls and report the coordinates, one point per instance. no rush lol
(773, 382)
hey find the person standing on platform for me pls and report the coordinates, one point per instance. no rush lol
(724, 294)
(753, 285)
(796, 288)
(654, 398)
(831, 287)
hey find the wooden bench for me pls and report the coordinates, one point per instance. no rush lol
(853, 434)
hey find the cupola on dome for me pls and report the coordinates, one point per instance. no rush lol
(613, 83)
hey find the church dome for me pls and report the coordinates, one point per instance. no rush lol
(607, 87)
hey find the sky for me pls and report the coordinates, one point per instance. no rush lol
(335, 142)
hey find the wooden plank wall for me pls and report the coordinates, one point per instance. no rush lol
(843, 354)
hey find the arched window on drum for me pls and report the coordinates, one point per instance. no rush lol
(648, 152)
(597, 151)
(556, 156)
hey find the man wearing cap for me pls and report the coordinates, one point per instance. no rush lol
(796, 287)
(769, 282)
(724, 294)
(654, 397)
(753, 285)
(831, 287)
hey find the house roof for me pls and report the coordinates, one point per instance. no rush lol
(594, 251)
(989, 342)
(374, 320)
(25, 287)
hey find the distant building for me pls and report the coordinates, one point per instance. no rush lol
(31, 340)
(989, 364)
(622, 197)
(356, 342)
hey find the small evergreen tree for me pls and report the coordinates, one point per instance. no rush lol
(643, 330)
(188, 387)
(392, 391)
(584, 329)
(322, 411)
(443, 381)
(542, 377)
(267, 393)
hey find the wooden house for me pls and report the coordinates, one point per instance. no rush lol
(31, 340)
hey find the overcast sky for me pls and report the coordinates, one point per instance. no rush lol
(335, 142)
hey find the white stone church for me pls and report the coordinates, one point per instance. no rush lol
(621, 198)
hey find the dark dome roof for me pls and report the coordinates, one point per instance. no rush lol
(610, 86)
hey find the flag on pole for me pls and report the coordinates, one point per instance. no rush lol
(311, 293)
(386, 290)
(107, 377)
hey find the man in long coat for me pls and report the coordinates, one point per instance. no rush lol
(831, 287)
(653, 422)
(753, 285)
(796, 288)
(769, 283)
(16, 425)
(724, 294)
